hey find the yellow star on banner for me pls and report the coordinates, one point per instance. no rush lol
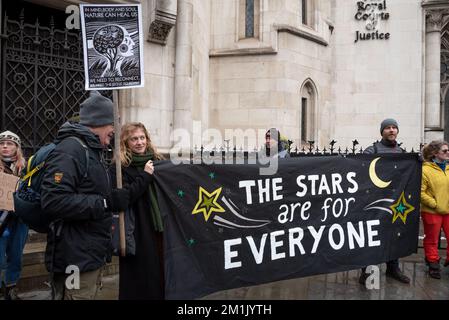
(207, 203)
(401, 209)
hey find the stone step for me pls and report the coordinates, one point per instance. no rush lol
(34, 236)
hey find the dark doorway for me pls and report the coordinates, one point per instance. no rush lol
(42, 77)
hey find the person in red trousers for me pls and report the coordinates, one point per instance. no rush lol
(435, 202)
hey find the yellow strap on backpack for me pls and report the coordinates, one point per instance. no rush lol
(30, 173)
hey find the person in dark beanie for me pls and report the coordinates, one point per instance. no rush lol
(13, 232)
(389, 130)
(77, 195)
(275, 146)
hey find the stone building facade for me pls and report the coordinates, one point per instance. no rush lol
(316, 69)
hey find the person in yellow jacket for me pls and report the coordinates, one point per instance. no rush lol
(435, 202)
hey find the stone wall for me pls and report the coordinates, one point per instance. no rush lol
(207, 72)
(377, 79)
(256, 82)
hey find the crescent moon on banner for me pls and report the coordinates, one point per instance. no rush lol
(374, 178)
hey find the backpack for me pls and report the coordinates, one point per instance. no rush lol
(27, 198)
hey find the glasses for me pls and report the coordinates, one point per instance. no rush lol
(445, 150)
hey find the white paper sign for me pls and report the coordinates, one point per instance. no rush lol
(112, 46)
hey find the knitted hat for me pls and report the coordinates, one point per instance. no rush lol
(388, 122)
(10, 136)
(96, 111)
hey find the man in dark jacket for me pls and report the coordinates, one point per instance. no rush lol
(389, 130)
(274, 145)
(76, 193)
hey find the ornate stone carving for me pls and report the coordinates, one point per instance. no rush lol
(163, 18)
(159, 32)
(435, 19)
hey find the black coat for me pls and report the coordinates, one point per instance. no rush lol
(85, 239)
(141, 275)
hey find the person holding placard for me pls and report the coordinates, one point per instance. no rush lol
(13, 232)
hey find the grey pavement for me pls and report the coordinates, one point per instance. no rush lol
(335, 286)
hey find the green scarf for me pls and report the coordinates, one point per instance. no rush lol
(139, 161)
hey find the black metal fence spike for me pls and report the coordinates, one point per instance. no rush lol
(306, 150)
(227, 144)
(310, 145)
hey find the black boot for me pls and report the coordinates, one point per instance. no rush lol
(434, 270)
(363, 277)
(397, 275)
(11, 293)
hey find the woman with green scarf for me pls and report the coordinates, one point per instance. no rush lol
(141, 274)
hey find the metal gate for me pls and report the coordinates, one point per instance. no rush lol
(42, 80)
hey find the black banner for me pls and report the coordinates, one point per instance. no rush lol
(228, 226)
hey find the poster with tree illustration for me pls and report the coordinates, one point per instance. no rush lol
(113, 46)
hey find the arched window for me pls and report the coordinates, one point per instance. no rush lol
(249, 12)
(308, 13)
(307, 112)
(249, 19)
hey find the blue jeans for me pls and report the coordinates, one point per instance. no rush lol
(11, 249)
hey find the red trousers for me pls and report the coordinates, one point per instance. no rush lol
(432, 225)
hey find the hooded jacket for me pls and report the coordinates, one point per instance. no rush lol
(67, 195)
(434, 189)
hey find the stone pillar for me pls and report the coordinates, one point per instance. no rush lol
(183, 100)
(433, 115)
